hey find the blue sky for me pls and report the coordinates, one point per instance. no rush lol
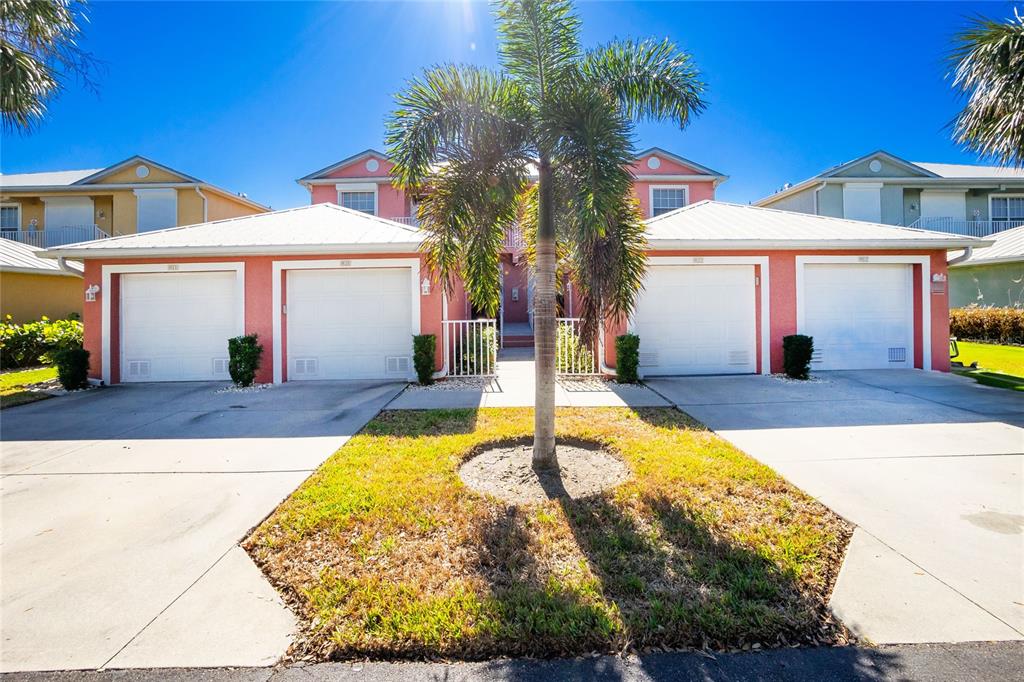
(251, 95)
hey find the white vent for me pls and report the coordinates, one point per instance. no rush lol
(898, 354)
(816, 358)
(739, 357)
(306, 367)
(398, 364)
(220, 365)
(138, 369)
(647, 359)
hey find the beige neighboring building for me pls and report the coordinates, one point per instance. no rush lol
(135, 195)
(31, 287)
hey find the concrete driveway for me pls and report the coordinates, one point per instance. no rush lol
(121, 511)
(929, 466)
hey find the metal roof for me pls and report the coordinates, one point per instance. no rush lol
(960, 170)
(1007, 247)
(18, 257)
(319, 228)
(54, 178)
(716, 224)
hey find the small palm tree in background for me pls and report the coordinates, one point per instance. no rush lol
(38, 51)
(988, 63)
(467, 138)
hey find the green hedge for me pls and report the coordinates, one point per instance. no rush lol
(33, 343)
(72, 368)
(627, 358)
(244, 355)
(796, 355)
(995, 325)
(423, 349)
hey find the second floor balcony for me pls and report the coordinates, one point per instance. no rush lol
(969, 228)
(54, 236)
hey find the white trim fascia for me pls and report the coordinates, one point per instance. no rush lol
(314, 176)
(271, 250)
(650, 197)
(1019, 258)
(280, 266)
(110, 170)
(13, 204)
(377, 179)
(766, 317)
(926, 297)
(96, 189)
(681, 160)
(911, 182)
(237, 266)
(37, 271)
(776, 245)
(677, 178)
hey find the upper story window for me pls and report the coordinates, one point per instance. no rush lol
(10, 217)
(359, 200)
(1007, 209)
(665, 199)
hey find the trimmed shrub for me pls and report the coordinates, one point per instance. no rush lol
(423, 348)
(627, 358)
(72, 367)
(244, 354)
(33, 343)
(796, 355)
(994, 325)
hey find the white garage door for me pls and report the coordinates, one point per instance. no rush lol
(176, 326)
(860, 315)
(697, 319)
(350, 324)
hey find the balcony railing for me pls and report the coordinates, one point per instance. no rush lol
(969, 228)
(55, 236)
(410, 220)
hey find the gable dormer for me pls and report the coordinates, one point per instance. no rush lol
(666, 182)
(361, 182)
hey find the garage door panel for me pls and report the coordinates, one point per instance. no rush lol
(697, 319)
(176, 326)
(347, 324)
(860, 315)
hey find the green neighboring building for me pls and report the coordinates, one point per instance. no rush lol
(992, 276)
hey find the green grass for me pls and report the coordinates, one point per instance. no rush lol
(385, 553)
(16, 385)
(1002, 359)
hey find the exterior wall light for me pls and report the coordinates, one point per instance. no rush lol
(425, 287)
(90, 293)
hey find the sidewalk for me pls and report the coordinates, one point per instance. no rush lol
(973, 662)
(513, 386)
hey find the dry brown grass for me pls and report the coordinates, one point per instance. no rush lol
(385, 553)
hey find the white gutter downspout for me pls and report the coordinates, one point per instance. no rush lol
(968, 252)
(605, 369)
(62, 264)
(816, 190)
(206, 215)
(443, 372)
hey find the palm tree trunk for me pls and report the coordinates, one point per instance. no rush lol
(544, 323)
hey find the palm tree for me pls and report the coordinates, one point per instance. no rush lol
(466, 137)
(988, 68)
(38, 50)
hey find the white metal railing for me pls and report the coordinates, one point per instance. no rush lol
(969, 228)
(514, 238)
(55, 236)
(573, 357)
(410, 220)
(470, 347)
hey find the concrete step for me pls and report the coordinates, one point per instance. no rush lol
(518, 342)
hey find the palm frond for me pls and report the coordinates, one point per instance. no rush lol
(650, 79)
(988, 68)
(538, 42)
(38, 50)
